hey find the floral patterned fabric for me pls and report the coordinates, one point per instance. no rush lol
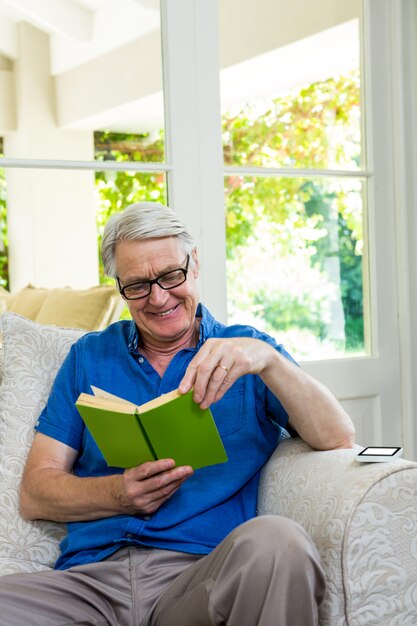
(32, 357)
(363, 520)
(1, 357)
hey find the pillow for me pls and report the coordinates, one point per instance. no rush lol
(90, 309)
(32, 357)
(27, 301)
(4, 299)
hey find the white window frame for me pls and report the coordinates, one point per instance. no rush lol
(392, 35)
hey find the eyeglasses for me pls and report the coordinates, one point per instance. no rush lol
(169, 280)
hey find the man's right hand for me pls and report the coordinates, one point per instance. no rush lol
(49, 489)
(146, 487)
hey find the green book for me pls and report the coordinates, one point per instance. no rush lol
(171, 426)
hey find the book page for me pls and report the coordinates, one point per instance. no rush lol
(118, 405)
(100, 393)
(159, 401)
(146, 406)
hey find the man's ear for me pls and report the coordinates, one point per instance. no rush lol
(196, 263)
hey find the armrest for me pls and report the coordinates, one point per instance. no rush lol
(363, 520)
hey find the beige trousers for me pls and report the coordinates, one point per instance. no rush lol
(266, 572)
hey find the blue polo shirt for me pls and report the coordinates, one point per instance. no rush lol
(215, 499)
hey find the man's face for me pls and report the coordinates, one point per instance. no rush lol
(164, 316)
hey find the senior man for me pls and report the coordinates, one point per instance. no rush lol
(157, 544)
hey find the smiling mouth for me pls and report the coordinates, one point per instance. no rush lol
(165, 313)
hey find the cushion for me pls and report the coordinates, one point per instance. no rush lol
(32, 356)
(90, 309)
(4, 299)
(27, 301)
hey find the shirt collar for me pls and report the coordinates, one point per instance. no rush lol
(207, 322)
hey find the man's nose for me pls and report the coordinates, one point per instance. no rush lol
(157, 295)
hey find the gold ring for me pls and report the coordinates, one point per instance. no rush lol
(226, 369)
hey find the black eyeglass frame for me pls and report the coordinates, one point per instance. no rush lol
(154, 281)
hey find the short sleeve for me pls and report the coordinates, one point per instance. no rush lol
(60, 418)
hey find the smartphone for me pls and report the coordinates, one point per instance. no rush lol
(380, 454)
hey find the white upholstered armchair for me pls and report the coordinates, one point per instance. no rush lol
(363, 520)
(362, 517)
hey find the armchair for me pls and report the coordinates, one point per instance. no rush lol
(363, 518)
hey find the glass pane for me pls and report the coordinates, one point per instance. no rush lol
(92, 71)
(115, 190)
(55, 221)
(146, 147)
(295, 261)
(290, 89)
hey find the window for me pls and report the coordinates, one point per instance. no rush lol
(82, 119)
(295, 179)
(116, 189)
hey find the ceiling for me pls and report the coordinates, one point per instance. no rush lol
(84, 35)
(80, 30)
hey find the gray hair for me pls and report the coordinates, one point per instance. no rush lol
(143, 220)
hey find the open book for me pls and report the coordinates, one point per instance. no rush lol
(171, 426)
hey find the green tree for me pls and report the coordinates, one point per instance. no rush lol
(116, 190)
(315, 220)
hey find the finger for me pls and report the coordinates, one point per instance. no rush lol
(166, 491)
(218, 384)
(143, 480)
(149, 469)
(164, 481)
(190, 376)
(208, 372)
(188, 379)
(156, 498)
(144, 493)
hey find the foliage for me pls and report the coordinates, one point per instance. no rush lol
(316, 126)
(314, 224)
(116, 190)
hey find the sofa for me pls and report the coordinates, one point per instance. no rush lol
(362, 517)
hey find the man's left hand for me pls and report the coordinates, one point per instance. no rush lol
(220, 362)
